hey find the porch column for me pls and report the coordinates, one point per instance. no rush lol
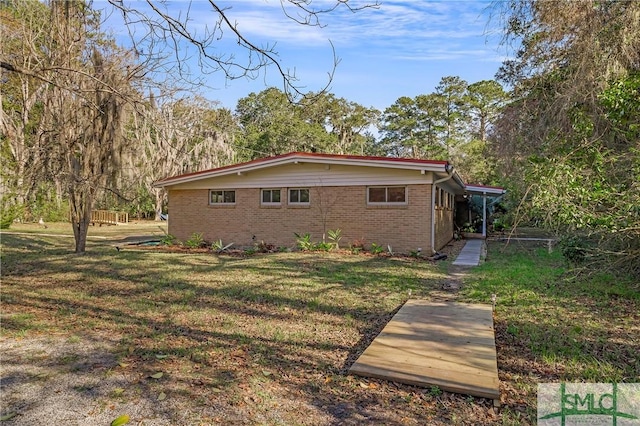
(484, 214)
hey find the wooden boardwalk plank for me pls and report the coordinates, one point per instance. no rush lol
(449, 345)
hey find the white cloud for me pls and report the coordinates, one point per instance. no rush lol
(400, 48)
(412, 21)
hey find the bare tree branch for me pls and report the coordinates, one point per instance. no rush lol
(165, 29)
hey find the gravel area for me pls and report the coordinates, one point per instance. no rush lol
(70, 381)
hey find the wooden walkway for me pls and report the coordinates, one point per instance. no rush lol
(450, 345)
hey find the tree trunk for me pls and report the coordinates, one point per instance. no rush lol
(81, 204)
(159, 198)
(58, 184)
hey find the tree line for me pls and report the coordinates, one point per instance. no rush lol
(85, 123)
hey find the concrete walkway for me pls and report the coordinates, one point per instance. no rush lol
(470, 254)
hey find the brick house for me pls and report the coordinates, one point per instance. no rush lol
(407, 204)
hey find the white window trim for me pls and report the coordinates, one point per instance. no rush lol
(223, 191)
(270, 203)
(298, 203)
(389, 203)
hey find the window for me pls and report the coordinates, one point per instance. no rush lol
(387, 195)
(270, 196)
(444, 199)
(299, 196)
(222, 197)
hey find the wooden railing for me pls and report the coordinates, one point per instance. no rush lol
(109, 217)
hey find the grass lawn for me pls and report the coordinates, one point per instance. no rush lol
(130, 230)
(554, 327)
(196, 338)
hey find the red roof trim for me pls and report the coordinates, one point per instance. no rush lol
(231, 166)
(304, 155)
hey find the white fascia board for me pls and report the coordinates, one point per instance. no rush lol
(479, 189)
(243, 169)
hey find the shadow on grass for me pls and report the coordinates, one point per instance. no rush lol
(232, 329)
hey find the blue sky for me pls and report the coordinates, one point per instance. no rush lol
(401, 48)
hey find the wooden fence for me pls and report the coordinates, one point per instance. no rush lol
(109, 217)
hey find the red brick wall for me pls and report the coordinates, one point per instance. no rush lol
(404, 228)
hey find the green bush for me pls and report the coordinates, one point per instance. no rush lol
(574, 248)
(324, 246)
(168, 240)
(415, 253)
(8, 214)
(304, 242)
(6, 219)
(50, 211)
(335, 236)
(195, 240)
(499, 224)
(376, 249)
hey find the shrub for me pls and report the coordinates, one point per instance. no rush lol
(415, 253)
(304, 242)
(50, 211)
(219, 246)
(574, 249)
(168, 240)
(376, 249)
(335, 236)
(8, 213)
(263, 247)
(195, 240)
(356, 246)
(499, 225)
(467, 227)
(323, 246)
(7, 218)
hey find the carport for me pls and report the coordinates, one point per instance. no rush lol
(489, 194)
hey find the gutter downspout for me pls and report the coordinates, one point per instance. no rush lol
(484, 214)
(449, 169)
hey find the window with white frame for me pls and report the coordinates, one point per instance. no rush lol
(219, 196)
(299, 196)
(270, 196)
(387, 195)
